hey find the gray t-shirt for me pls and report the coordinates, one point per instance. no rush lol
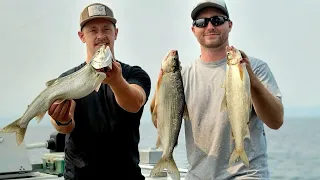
(207, 133)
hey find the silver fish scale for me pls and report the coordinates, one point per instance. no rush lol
(170, 110)
(74, 86)
(237, 102)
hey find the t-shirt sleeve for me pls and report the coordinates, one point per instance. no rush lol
(137, 75)
(264, 73)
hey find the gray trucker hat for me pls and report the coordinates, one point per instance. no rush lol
(219, 4)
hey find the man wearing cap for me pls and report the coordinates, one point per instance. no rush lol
(208, 134)
(102, 129)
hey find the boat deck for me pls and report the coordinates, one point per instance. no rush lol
(15, 162)
(37, 175)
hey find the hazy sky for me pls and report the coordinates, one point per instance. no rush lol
(39, 41)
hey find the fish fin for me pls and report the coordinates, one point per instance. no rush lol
(159, 144)
(231, 140)
(239, 153)
(40, 116)
(232, 136)
(154, 118)
(223, 104)
(244, 158)
(154, 102)
(247, 135)
(59, 101)
(98, 87)
(234, 156)
(240, 71)
(15, 127)
(99, 76)
(186, 113)
(159, 79)
(170, 165)
(153, 110)
(51, 82)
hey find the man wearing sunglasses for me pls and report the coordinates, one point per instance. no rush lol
(208, 134)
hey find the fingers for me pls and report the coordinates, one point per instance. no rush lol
(52, 108)
(244, 56)
(61, 111)
(114, 74)
(115, 67)
(64, 109)
(245, 60)
(117, 64)
(72, 108)
(109, 73)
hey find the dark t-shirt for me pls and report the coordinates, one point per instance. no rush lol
(105, 139)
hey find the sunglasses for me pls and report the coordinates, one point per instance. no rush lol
(215, 21)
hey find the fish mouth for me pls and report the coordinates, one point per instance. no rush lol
(104, 70)
(171, 62)
(233, 57)
(230, 48)
(103, 58)
(173, 53)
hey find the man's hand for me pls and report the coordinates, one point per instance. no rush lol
(62, 112)
(130, 97)
(253, 78)
(114, 75)
(268, 107)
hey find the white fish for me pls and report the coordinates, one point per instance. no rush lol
(167, 109)
(237, 102)
(73, 86)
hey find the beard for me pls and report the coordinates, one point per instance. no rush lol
(213, 43)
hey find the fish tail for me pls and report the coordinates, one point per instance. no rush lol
(170, 165)
(15, 127)
(239, 153)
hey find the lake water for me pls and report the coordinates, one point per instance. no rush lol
(294, 150)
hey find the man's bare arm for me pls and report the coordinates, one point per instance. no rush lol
(131, 97)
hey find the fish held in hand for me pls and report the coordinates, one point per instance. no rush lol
(167, 109)
(73, 86)
(237, 102)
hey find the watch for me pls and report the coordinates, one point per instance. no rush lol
(63, 124)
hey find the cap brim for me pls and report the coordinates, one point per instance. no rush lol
(201, 6)
(113, 20)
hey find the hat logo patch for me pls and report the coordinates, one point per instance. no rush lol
(97, 10)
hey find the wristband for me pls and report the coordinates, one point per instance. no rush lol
(63, 124)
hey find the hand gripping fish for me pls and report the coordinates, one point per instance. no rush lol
(73, 86)
(167, 109)
(237, 102)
